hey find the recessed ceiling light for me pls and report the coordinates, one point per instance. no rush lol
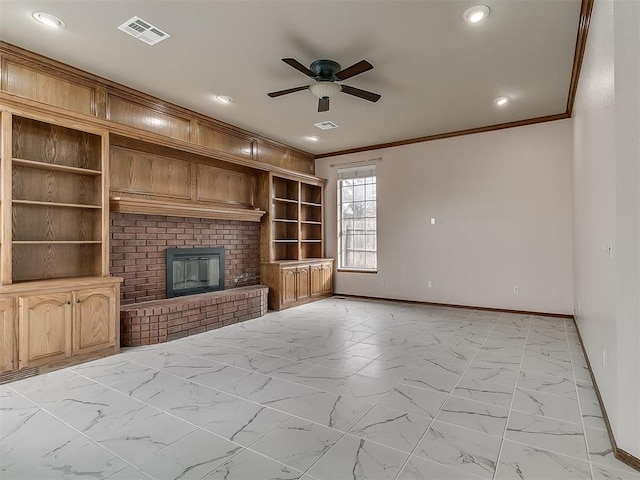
(476, 14)
(502, 101)
(48, 20)
(313, 138)
(226, 99)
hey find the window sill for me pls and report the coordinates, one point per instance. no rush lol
(355, 270)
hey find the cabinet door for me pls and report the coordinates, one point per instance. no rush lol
(45, 328)
(94, 319)
(303, 283)
(316, 274)
(327, 278)
(7, 337)
(289, 291)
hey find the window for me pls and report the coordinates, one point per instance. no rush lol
(357, 232)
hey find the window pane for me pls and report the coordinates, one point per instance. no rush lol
(370, 192)
(371, 242)
(357, 223)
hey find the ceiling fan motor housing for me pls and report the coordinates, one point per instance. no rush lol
(325, 70)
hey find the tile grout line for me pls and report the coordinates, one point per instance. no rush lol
(575, 384)
(99, 445)
(445, 401)
(513, 395)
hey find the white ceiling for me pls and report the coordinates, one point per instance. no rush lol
(435, 72)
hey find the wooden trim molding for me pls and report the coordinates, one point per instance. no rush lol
(172, 209)
(586, 10)
(440, 136)
(104, 89)
(29, 108)
(620, 454)
(453, 305)
(355, 270)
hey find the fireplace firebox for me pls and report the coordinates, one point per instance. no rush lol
(194, 270)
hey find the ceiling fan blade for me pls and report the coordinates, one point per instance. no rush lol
(356, 92)
(323, 104)
(292, 62)
(287, 91)
(355, 69)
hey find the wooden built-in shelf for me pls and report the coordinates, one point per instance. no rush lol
(53, 166)
(311, 241)
(311, 204)
(288, 200)
(174, 209)
(311, 222)
(55, 204)
(54, 242)
(284, 220)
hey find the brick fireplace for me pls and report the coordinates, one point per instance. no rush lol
(138, 245)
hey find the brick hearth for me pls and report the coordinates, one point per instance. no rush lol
(163, 320)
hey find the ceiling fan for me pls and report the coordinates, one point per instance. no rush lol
(326, 73)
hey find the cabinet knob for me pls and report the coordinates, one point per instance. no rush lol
(68, 302)
(77, 300)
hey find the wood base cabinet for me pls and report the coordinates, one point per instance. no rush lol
(57, 322)
(8, 340)
(295, 283)
(93, 313)
(44, 323)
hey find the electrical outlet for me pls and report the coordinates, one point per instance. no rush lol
(604, 357)
(429, 284)
(516, 290)
(382, 281)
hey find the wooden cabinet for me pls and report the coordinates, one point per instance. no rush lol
(292, 228)
(321, 279)
(316, 279)
(45, 329)
(93, 314)
(303, 283)
(57, 205)
(57, 302)
(58, 322)
(327, 278)
(292, 240)
(7, 336)
(289, 285)
(295, 283)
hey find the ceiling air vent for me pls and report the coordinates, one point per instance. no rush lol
(143, 30)
(328, 125)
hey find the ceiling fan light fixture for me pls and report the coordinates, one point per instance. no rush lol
(325, 89)
(476, 13)
(48, 20)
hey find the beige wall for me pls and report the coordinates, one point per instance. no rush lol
(606, 207)
(502, 203)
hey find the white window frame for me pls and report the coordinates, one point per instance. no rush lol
(367, 222)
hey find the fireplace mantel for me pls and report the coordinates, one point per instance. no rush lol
(175, 209)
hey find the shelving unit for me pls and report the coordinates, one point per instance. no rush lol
(57, 300)
(58, 199)
(292, 243)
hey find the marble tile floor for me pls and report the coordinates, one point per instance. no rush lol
(336, 389)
